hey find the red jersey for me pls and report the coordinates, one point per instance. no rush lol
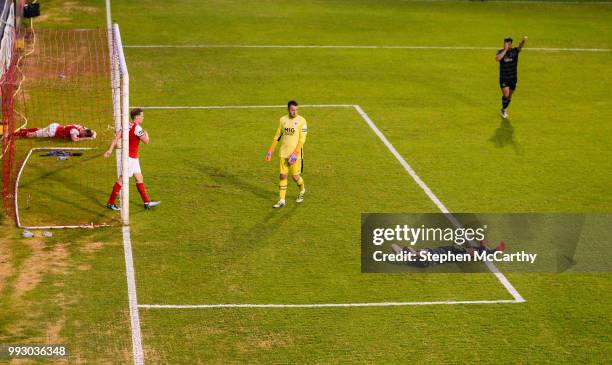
(136, 132)
(67, 131)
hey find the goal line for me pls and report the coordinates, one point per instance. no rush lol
(348, 46)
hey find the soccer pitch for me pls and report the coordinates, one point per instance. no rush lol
(402, 103)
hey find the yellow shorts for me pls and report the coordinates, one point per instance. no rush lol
(295, 169)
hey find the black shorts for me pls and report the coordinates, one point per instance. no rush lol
(511, 83)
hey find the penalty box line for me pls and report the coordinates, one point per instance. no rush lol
(322, 305)
(517, 298)
(321, 46)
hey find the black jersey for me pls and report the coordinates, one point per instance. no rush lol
(508, 64)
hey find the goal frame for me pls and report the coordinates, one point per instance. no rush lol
(119, 87)
(121, 107)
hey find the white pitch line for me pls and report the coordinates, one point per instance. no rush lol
(501, 277)
(132, 297)
(567, 49)
(526, 2)
(246, 106)
(322, 305)
(271, 46)
(137, 352)
(402, 161)
(548, 2)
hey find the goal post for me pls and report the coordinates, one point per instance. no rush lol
(125, 124)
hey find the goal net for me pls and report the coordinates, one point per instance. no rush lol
(56, 79)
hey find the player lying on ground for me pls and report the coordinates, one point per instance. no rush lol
(73, 132)
(508, 65)
(453, 249)
(291, 133)
(136, 134)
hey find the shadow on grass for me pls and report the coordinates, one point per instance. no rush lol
(504, 136)
(82, 160)
(223, 177)
(270, 223)
(271, 220)
(78, 209)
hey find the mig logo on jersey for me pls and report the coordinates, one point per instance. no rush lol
(289, 131)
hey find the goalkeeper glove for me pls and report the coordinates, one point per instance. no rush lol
(292, 158)
(268, 155)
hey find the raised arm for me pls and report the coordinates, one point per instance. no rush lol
(520, 46)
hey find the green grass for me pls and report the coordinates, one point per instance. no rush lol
(215, 238)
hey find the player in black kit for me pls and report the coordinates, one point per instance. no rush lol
(508, 62)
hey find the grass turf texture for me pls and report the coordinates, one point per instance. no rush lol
(215, 238)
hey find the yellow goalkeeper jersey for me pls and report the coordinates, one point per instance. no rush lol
(291, 132)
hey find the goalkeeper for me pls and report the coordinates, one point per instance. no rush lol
(291, 133)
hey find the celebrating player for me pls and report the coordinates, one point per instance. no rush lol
(508, 62)
(73, 132)
(291, 133)
(136, 134)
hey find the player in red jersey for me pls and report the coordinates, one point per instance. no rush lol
(73, 132)
(136, 134)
